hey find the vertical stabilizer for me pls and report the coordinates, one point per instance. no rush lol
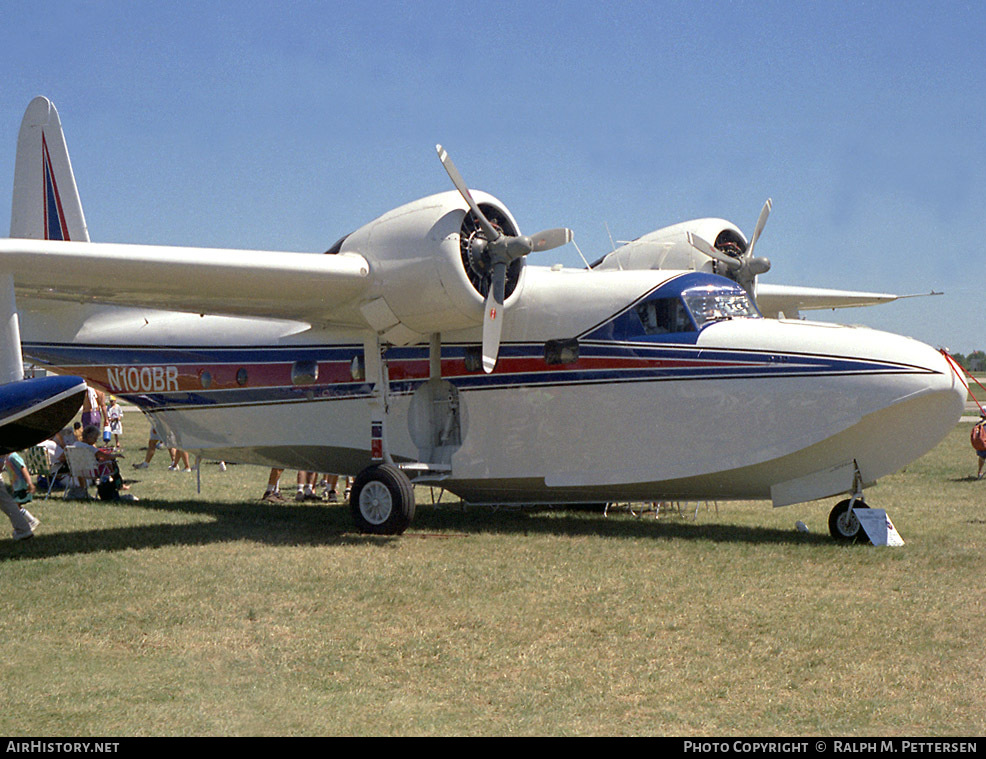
(46, 204)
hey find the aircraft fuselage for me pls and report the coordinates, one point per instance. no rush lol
(732, 408)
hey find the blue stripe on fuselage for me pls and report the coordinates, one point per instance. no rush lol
(600, 362)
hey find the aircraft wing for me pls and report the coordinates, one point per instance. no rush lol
(299, 286)
(789, 300)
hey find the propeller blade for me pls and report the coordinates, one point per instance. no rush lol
(551, 238)
(703, 246)
(764, 213)
(499, 250)
(493, 317)
(490, 231)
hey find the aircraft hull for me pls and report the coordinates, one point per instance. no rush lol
(627, 421)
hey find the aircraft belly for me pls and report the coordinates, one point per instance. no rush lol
(329, 436)
(714, 439)
(867, 442)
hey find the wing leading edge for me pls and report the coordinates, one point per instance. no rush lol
(790, 300)
(319, 289)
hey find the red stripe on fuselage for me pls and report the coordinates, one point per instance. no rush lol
(195, 377)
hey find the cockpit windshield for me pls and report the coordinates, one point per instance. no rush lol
(711, 303)
(678, 310)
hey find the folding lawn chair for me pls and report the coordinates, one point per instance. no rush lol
(37, 461)
(83, 468)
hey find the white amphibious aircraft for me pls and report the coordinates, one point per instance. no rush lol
(423, 348)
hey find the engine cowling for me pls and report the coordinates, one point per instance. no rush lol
(726, 248)
(669, 248)
(426, 266)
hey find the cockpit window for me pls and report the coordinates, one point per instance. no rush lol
(715, 303)
(677, 310)
(661, 316)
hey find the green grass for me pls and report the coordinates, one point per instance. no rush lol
(221, 615)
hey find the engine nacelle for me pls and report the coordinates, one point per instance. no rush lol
(427, 275)
(669, 248)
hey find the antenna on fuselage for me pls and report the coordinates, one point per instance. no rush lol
(611, 243)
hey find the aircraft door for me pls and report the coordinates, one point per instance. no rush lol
(436, 421)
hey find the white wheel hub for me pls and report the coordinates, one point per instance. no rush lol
(848, 523)
(375, 502)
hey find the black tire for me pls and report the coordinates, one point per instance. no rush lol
(844, 527)
(382, 500)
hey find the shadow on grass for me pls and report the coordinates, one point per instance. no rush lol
(296, 525)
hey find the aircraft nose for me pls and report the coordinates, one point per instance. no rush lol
(922, 400)
(884, 400)
(923, 370)
(940, 373)
(951, 380)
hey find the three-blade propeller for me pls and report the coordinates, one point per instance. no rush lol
(500, 251)
(746, 267)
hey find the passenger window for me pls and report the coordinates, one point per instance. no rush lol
(561, 352)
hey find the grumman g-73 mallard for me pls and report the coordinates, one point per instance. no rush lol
(424, 348)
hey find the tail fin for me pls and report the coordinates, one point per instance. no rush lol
(46, 203)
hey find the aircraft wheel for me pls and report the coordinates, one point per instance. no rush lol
(382, 500)
(845, 527)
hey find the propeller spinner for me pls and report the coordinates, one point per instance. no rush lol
(499, 250)
(744, 268)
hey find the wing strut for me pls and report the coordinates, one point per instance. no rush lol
(11, 363)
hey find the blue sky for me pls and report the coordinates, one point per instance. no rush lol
(285, 125)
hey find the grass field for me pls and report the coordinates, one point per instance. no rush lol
(217, 614)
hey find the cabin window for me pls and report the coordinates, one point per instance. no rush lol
(663, 315)
(561, 351)
(711, 304)
(241, 377)
(357, 369)
(304, 372)
(473, 358)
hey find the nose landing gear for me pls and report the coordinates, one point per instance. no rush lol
(843, 523)
(844, 526)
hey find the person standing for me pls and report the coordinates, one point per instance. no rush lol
(306, 486)
(273, 492)
(94, 408)
(179, 460)
(114, 414)
(978, 438)
(152, 443)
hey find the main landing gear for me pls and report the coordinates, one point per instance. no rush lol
(382, 500)
(382, 496)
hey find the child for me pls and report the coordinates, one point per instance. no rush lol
(21, 483)
(115, 416)
(22, 520)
